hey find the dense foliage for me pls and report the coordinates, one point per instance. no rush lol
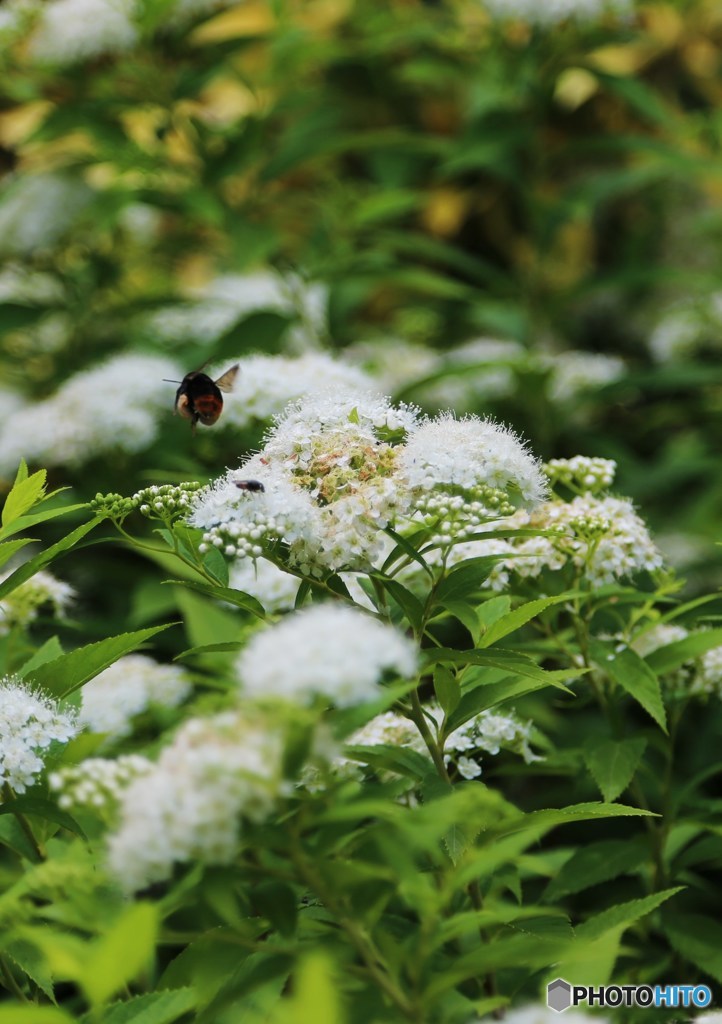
(354, 706)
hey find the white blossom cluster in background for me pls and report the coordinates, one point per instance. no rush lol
(29, 723)
(337, 653)
(700, 676)
(97, 783)
(22, 606)
(339, 467)
(36, 209)
(573, 373)
(116, 405)
(131, 685)
(551, 12)
(538, 1014)
(220, 303)
(274, 588)
(487, 733)
(66, 32)
(190, 804)
(686, 327)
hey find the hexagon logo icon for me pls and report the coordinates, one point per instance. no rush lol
(559, 995)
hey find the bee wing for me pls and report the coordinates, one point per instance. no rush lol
(227, 380)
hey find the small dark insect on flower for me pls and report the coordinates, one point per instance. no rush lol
(250, 485)
(199, 398)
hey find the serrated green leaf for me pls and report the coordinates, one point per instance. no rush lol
(27, 522)
(465, 579)
(633, 674)
(67, 673)
(32, 962)
(490, 695)
(624, 914)
(518, 618)
(613, 763)
(28, 569)
(382, 756)
(24, 494)
(277, 902)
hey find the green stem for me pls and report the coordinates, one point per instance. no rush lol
(24, 823)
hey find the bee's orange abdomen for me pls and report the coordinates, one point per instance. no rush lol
(208, 408)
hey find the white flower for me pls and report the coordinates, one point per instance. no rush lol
(116, 405)
(190, 805)
(708, 678)
(327, 650)
(37, 209)
(685, 327)
(388, 729)
(29, 722)
(478, 370)
(327, 469)
(266, 384)
(550, 12)
(604, 537)
(97, 783)
(20, 284)
(274, 588)
(22, 605)
(470, 454)
(128, 687)
(574, 372)
(393, 362)
(659, 636)
(77, 30)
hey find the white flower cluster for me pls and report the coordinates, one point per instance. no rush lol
(684, 328)
(329, 651)
(575, 372)
(486, 733)
(37, 209)
(97, 784)
(29, 723)
(116, 405)
(338, 468)
(190, 804)
(603, 537)
(551, 12)
(537, 1014)
(127, 688)
(220, 303)
(70, 31)
(582, 473)
(22, 606)
(476, 371)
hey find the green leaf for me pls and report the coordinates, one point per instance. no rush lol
(624, 914)
(123, 952)
(698, 939)
(518, 618)
(10, 547)
(152, 1008)
(12, 836)
(34, 1015)
(49, 651)
(70, 671)
(613, 763)
(29, 568)
(24, 494)
(408, 602)
(489, 612)
(384, 757)
(315, 984)
(552, 817)
(633, 674)
(42, 808)
(489, 695)
(465, 579)
(27, 522)
(599, 862)
(666, 659)
(446, 688)
(31, 961)
(227, 594)
(403, 546)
